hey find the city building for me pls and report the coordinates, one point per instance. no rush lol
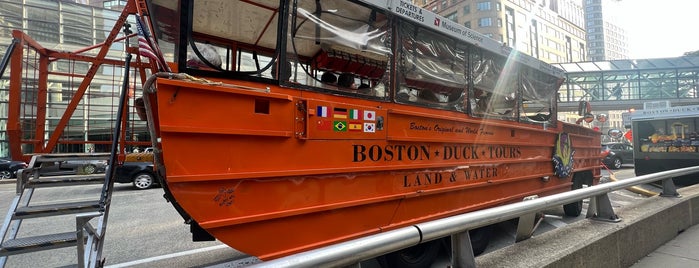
(550, 30)
(606, 38)
(68, 26)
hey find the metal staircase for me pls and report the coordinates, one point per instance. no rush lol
(90, 216)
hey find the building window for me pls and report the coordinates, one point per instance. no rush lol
(534, 39)
(44, 31)
(483, 6)
(485, 22)
(569, 50)
(453, 17)
(434, 9)
(114, 4)
(510, 26)
(445, 3)
(467, 9)
(498, 6)
(499, 23)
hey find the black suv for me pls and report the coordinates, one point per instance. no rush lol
(8, 168)
(617, 154)
(140, 174)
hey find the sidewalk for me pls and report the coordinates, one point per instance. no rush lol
(681, 252)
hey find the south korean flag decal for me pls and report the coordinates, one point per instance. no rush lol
(370, 127)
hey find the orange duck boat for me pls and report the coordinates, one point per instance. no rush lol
(437, 120)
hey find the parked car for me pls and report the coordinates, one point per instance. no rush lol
(617, 154)
(72, 167)
(140, 174)
(9, 168)
(85, 166)
(144, 150)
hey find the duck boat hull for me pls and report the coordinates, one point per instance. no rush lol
(262, 173)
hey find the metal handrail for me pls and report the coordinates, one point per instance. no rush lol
(6, 58)
(352, 252)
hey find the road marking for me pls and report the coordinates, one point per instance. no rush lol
(168, 256)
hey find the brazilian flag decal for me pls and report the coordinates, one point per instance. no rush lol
(340, 126)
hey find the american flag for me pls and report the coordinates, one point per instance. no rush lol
(147, 46)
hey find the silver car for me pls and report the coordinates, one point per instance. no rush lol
(84, 166)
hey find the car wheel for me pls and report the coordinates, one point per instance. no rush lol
(5, 174)
(616, 163)
(574, 209)
(143, 181)
(89, 169)
(480, 238)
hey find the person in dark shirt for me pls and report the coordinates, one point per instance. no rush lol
(616, 92)
(346, 80)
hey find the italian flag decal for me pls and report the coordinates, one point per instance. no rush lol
(354, 114)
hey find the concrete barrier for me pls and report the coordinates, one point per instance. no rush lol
(644, 227)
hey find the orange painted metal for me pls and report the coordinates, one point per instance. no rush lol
(281, 176)
(14, 127)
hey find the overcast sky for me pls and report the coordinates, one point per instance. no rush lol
(661, 28)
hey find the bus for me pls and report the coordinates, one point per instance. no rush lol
(301, 124)
(665, 139)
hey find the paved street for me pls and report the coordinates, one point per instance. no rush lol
(143, 231)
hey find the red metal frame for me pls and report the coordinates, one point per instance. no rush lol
(23, 68)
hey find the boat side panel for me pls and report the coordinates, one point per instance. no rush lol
(313, 212)
(268, 172)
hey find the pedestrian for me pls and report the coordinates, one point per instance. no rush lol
(616, 92)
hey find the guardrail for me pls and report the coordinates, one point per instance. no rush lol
(352, 252)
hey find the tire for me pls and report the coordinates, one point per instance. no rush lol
(480, 238)
(574, 209)
(143, 181)
(616, 163)
(5, 174)
(89, 169)
(418, 256)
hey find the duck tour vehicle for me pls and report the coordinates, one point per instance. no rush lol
(419, 119)
(280, 127)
